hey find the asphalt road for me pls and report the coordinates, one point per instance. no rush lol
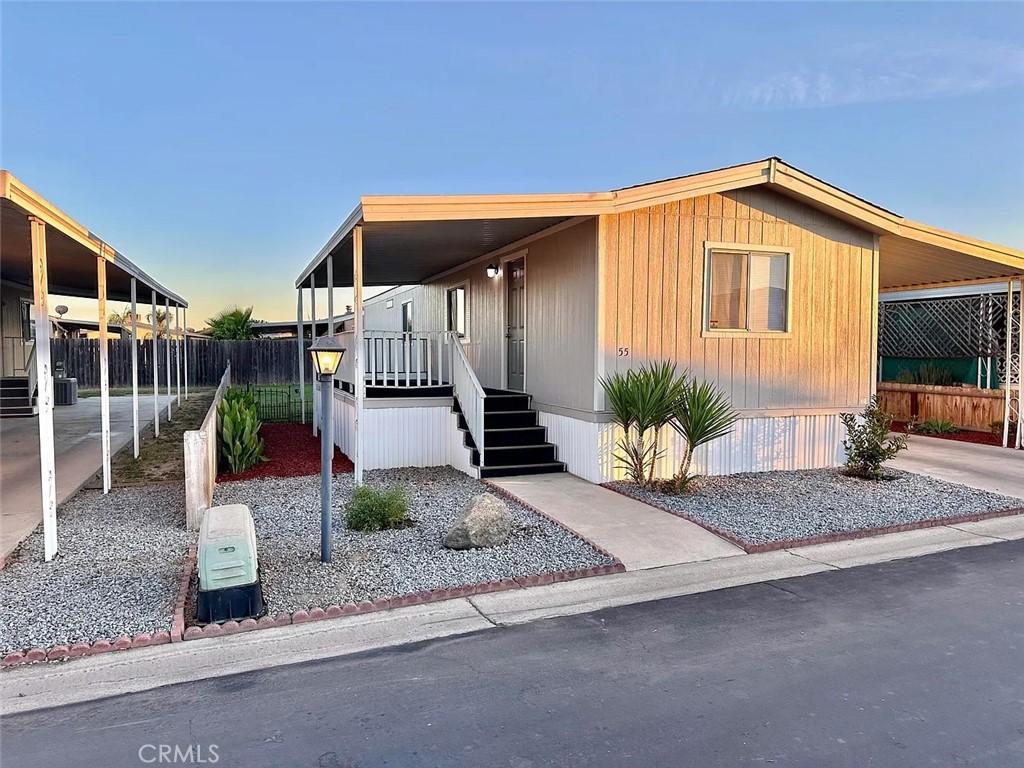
(913, 663)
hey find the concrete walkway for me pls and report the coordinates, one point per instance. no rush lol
(78, 455)
(999, 470)
(639, 535)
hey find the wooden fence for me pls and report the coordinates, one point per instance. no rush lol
(261, 361)
(201, 449)
(967, 407)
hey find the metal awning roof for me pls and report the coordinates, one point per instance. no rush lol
(71, 251)
(408, 239)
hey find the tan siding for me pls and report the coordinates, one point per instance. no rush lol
(561, 279)
(655, 287)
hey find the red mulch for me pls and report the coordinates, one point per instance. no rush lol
(963, 436)
(291, 451)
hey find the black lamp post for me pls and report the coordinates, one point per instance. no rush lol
(326, 353)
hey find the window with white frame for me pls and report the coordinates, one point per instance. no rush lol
(747, 290)
(457, 310)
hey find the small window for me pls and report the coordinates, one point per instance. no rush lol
(407, 317)
(28, 321)
(748, 291)
(457, 310)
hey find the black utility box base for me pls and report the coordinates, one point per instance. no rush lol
(231, 603)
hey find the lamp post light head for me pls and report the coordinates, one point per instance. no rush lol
(492, 270)
(326, 352)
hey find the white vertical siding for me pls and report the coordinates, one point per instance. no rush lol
(403, 437)
(759, 444)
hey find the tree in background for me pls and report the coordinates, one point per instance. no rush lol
(232, 323)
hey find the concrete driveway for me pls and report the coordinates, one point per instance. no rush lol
(77, 451)
(999, 470)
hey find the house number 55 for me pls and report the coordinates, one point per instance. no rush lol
(623, 351)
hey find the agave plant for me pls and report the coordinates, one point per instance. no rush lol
(702, 414)
(240, 444)
(642, 402)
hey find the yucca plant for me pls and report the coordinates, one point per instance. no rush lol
(702, 414)
(642, 402)
(240, 443)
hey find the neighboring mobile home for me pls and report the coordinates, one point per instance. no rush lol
(759, 278)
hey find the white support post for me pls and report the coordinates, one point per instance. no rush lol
(184, 343)
(135, 368)
(357, 347)
(876, 366)
(330, 293)
(156, 367)
(177, 354)
(101, 295)
(167, 346)
(302, 354)
(312, 314)
(44, 380)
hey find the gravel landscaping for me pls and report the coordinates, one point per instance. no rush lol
(765, 507)
(388, 563)
(117, 571)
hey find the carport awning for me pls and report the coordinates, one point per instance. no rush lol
(71, 251)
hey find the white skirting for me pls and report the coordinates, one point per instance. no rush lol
(409, 436)
(757, 444)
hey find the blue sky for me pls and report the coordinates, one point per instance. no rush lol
(220, 144)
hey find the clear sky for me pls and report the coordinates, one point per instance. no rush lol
(219, 145)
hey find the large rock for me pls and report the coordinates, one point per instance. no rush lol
(485, 522)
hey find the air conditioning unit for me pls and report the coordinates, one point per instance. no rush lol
(65, 391)
(229, 581)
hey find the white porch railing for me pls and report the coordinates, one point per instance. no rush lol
(396, 359)
(470, 394)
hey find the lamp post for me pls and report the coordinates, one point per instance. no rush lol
(326, 353)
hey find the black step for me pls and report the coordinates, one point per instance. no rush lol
(509, 419)
(529, 469)
(15, 401)
(494, 438)
(516, 454)
(17, 413)
(512, 401)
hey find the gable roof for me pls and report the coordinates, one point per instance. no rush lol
(484, 219)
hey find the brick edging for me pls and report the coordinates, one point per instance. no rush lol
(178, 625)
(752, 548)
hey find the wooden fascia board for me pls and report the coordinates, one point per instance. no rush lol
(697, 185)
(954, 283)
(834, 200)
(342, 232)
(35, 204)
(466, 207)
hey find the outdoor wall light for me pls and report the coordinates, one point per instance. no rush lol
(326, 352)
(492, 270)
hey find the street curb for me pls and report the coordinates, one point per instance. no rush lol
(752, 548)
(181, 633)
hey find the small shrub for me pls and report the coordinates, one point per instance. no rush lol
(239, 425)
(927, 373)
(936, 427)
(868, 443)
(377, 509)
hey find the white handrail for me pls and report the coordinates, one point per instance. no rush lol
(470, 393)
(30, 370)
(404, 359)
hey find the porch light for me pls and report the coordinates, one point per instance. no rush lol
(326, 352)
(492, 270)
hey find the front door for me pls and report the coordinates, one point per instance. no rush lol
(516, 334)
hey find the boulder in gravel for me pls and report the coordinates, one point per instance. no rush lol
(485, 522)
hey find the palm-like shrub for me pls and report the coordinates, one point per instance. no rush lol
(642, 403)
(868, 443)
(232, 323)
(701, 414)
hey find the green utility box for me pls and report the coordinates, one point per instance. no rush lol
(229, 582)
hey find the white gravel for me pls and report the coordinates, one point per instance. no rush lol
(388, 563)
(117, 571)
(763, 507)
